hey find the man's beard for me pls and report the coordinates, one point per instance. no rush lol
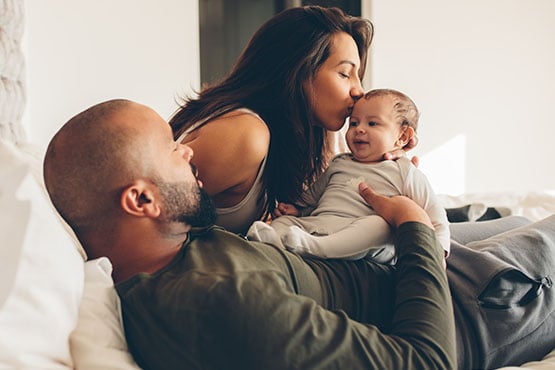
(186, 203)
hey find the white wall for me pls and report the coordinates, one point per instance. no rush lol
(81, 52)
(483, 76)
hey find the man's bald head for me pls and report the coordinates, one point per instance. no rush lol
(91, 158)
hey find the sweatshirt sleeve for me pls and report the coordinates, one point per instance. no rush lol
(262, 324)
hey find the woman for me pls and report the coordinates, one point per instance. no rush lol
(260, 136)
(262, 133)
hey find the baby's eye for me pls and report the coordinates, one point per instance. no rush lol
(372, 123)
(353, 123)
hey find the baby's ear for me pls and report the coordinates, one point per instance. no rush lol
(406, 134)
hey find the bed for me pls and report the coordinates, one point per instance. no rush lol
(534, 206)
(59, 312)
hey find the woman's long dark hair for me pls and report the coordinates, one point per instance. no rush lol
(268, 78)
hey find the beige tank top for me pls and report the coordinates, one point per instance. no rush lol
(238, 218)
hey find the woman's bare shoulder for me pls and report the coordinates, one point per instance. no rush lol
(245, 121)
(243, 134)
(229, 150)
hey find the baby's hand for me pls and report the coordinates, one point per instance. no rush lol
(285, 209)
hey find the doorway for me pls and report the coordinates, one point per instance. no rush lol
(227, 25)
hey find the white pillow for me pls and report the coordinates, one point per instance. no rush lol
(41, 272)
(98, 341)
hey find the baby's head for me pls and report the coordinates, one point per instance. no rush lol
(383, 120)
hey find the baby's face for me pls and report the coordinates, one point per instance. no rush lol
(373, 129)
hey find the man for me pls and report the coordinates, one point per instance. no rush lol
(209, 299)
(196, 296)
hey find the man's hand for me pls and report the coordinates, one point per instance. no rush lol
(395, 210)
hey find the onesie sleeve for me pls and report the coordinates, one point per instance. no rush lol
(418, 188)
(257, 322)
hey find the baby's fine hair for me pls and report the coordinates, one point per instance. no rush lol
(405, 109)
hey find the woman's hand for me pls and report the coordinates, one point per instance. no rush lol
(395, 210)
(396, 154)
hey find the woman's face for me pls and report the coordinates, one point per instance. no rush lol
(336, 86)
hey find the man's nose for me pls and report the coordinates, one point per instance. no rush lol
(187, 152)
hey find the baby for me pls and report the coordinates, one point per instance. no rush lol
(332, 220)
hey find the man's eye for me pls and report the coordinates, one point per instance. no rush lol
(344, 75)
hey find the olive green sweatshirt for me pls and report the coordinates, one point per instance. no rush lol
(227, 303)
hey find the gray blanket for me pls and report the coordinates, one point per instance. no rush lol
(502, 293)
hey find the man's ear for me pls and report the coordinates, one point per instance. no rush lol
(406, 134)
(139, 199)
